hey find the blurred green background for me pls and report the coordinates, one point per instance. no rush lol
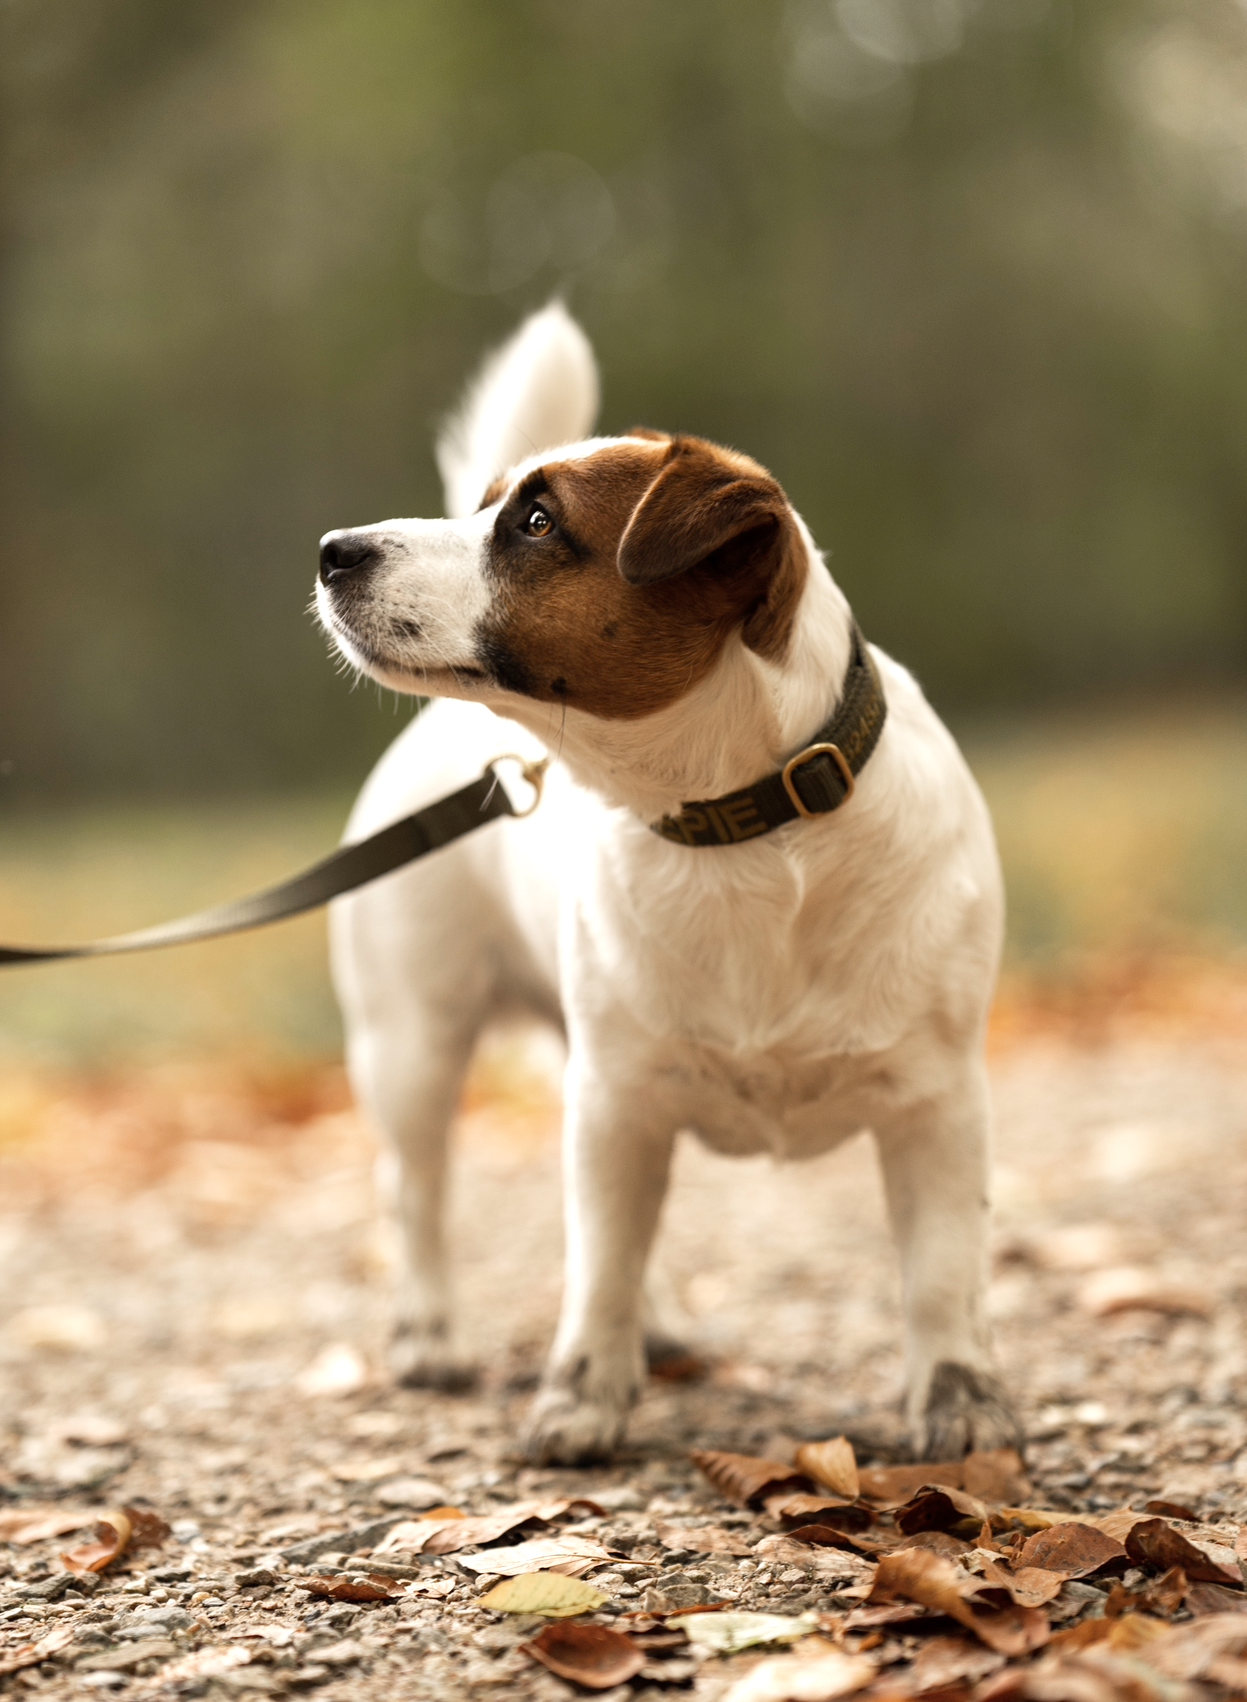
(970, 276)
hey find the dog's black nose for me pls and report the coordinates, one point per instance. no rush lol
(345, 552)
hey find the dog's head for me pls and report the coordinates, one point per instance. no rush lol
(609, 577)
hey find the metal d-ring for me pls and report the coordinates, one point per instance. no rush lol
(532, 771)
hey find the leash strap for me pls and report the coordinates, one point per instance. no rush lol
(351, 866)
(817, 780)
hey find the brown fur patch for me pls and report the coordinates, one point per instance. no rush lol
(495, 490)
(709, 546)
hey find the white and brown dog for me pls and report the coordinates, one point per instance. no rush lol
(761, 966)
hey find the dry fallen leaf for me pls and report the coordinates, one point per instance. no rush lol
(30, 1654)
(372, 1588)
(112, 1537)
(1152, 1542)
(745, 1479)
(932, 1581)
(1032, 1586)
(445, 1530)
(571, 1555)
(820, 1510)
(893, 1485)
(995, 1474)
(1204, 1599)
(130, 1527)
(832, 1464)
(548, 1593)
(1125, 1288)
(36, 1524)
(1170, 1510)
(1207, 1648)
(726, 1633)
(944, 1661)
(940, 1508)
(591, 1655)
(1074, 1550)
(794, 1678)
(1163, 1596)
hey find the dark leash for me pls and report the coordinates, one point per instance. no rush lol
(351, 866)
(814, 782)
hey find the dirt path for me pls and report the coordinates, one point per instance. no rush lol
(195, 1298)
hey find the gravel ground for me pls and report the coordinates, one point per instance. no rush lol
(194, 1298)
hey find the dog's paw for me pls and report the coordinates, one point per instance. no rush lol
(422, 1358)
(966, 1410)
(564, 1430)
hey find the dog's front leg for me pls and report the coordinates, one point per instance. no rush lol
(616, 1163)
(935, 1168)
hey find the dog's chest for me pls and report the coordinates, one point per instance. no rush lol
(773, 1102)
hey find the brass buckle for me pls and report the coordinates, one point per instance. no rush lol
(799, 761)
(533, 772)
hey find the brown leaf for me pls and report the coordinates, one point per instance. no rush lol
(832, 1464)
(373, 1588)
(36, 1524)
(893, 1485)
(1074, 1550)
(1164, 1596)
(939, 1508)
(745, 1479)
(919, 1576)
(1117, 1525)
(1152, 1542)
(1170, 1510)
(938, 1542)
(1032, 1586)
(1197, 1650)
(705, 1539)
(147, 1529)
(944, 1660)
(112, 1537)
(820, 1510)
(1129, 1632)
(995, 1474)
(592, 1655)
(1203, 1599)
(819, 1536)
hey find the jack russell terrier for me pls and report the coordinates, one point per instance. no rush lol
(761, 894)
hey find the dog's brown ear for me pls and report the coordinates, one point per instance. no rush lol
(649, 432)
(710, 508)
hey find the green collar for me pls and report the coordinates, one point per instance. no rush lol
(817, 780)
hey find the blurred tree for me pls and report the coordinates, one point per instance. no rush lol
(967, 274)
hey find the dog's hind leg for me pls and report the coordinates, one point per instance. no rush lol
(667, 1328)
(935, 1163)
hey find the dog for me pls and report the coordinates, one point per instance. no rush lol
(651, 610)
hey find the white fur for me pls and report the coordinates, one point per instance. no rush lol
(777, 995)
(539, 389)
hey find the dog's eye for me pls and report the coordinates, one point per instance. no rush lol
(538, 524)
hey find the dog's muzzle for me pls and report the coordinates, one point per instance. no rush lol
(346, 554)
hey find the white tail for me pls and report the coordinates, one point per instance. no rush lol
(537, 391)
